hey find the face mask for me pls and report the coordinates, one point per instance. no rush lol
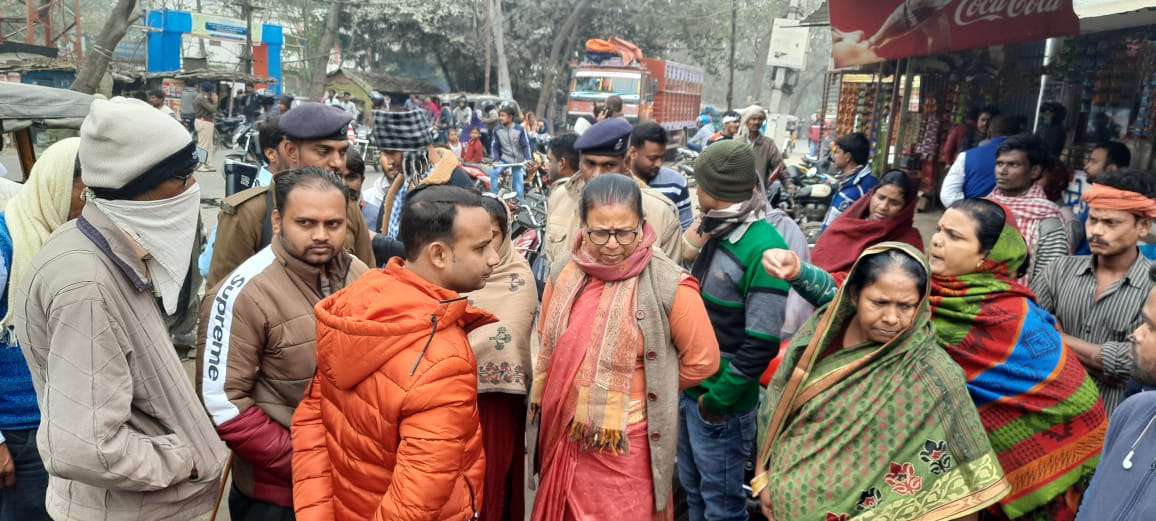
(167, 230)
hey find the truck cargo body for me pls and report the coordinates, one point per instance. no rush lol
(651, 88)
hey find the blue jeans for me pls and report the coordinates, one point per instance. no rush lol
(814, 147)
(519, 180)
(25, 500)
(712, 462)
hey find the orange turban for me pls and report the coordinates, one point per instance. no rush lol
(1108, 198)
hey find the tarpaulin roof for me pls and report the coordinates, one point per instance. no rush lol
(23, 105)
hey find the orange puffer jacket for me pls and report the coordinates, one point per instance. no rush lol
(388, 430)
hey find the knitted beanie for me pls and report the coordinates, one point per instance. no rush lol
(726, 171)
(127, 147)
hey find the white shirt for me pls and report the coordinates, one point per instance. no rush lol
(952, 189)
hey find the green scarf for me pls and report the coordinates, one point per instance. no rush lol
(873, 431)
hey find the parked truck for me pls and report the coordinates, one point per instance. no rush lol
(651, 88)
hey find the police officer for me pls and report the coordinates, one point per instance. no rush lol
(315, 135)
(602, 150)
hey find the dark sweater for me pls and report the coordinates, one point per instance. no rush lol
(746, 308)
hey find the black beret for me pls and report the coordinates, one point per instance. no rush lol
(609, 137)
(311, 121)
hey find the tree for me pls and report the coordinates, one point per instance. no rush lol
(122, 16)
(504, 89)
(566, 33)
(324, 48)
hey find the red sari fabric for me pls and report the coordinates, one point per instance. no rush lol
(851, 233)
(503, 419)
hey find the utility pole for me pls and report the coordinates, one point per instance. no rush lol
(731, 61)
(247, 54)
(489, 37)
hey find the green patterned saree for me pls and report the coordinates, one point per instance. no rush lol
(873, 431)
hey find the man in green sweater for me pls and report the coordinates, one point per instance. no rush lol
(746, 308)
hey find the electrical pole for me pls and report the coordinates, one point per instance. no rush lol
(489, 36)
(731, 61)
(247, 55)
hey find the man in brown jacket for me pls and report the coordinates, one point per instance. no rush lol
(122, 434)
(256, 345)
(315, 135)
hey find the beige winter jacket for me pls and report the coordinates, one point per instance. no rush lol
(122, 429)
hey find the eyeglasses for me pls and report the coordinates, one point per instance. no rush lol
(600, 237)
(184, 179)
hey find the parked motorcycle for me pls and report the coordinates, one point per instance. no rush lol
(684, 164)
(811, 197)
(528, 232)
(224, 128)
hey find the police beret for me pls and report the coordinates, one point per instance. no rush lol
(609, 137)
(311, 121)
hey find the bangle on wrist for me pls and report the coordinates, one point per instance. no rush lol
(759, 483)
(690, 244)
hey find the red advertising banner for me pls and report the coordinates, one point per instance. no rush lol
(879, 30)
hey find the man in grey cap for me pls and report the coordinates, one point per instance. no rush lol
(122, 433)
(602, 149)
(315, 135)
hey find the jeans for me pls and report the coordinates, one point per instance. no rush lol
(25, 500)
(814, 147)
(712, 462)
(519, 180)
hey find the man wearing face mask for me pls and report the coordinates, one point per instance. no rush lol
(314, 135)
(123, 435)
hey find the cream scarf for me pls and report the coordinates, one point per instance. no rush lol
(167, 230)
(38, 210)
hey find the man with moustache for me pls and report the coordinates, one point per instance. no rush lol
(256, 346)
(1097, 299)
(314, 135)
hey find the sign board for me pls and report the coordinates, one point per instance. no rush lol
(869, 32)
(788, 44)
(212, 26)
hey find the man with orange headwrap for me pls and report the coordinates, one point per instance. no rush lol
(1098, 298)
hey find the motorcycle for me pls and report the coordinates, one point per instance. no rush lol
(684, 164)
(224, 129)
(365, 143)
(528, 232)
(811, 197)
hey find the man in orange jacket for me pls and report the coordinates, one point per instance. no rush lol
(389, 426)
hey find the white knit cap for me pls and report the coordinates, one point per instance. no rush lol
(128, 147)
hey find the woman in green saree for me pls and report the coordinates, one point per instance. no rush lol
(867, 417)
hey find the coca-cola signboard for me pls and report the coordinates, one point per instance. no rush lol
(867, 32)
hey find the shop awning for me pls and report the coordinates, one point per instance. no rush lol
(1109, 15)
(868, 32)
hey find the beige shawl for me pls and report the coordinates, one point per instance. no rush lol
(503, 348)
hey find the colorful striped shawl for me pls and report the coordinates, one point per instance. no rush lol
(1041, 410)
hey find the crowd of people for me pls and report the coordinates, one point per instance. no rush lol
(381, 351)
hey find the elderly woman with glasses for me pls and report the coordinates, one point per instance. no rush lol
(623, 331)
